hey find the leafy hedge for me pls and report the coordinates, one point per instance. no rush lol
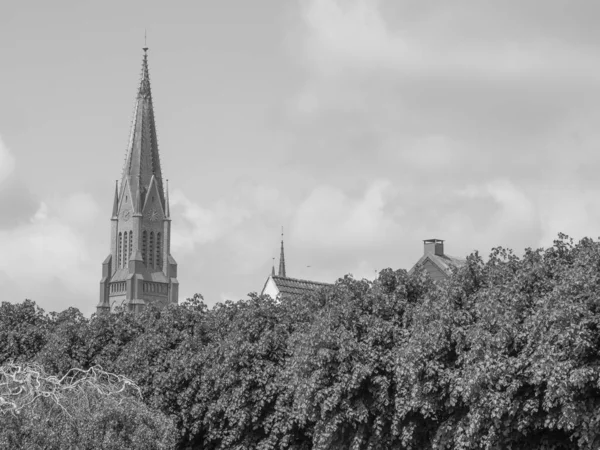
(504, 354)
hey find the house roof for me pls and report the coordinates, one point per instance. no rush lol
(444, 262)
(296, 287)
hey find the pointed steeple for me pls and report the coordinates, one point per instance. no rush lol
(115, 211)
(281, 258)
(142, 161)
(273, 268)
(140, 267)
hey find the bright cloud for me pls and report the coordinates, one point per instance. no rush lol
(7, 161)
(48, 259)
(45, 252)
(78, 209)
(354, 34)
(329, 218)
(199, 225)
(513, 220)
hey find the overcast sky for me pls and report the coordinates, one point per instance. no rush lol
(363, 127)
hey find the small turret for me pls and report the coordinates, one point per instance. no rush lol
(115, 211)
(281, 258)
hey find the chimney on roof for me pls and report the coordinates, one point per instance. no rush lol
(434, 246)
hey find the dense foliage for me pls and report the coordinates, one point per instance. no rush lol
(504, 354)
(83, 409)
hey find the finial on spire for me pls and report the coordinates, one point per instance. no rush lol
(281, 258)
(145, 48)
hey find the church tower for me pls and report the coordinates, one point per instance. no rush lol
(140, 269)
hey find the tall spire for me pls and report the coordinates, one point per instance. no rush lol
(140, 267)
(281, 258)
(142, 161)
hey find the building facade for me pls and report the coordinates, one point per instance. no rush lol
(139, 269)
(437, 264)
(281, 286)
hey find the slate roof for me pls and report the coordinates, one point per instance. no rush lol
(444, 262)
(294, 287)
(123, 274)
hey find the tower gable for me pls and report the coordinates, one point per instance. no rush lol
(153, 210)
(126, 199)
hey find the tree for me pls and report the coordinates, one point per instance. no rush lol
(83, 409)
(23, 330)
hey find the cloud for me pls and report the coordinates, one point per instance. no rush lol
(342, 34)
(449, 70)
(78, 209)
(569, 210)
(198, 225)
(45, 247)
(226, 244)
(7, 161)
(329, 219)
(453, 39)
(48, 259)
(513, 219)
(483, 116)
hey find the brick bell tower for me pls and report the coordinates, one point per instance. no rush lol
(140, 269)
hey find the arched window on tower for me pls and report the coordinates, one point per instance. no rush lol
(120, 250)
(144, 246)
(151, 249)
(130, 245)
(125, 247)
(158, 252)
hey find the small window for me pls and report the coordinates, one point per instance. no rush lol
(158, 252)
(144, 247)
(151, 250)
(125, 247)
(120, 249)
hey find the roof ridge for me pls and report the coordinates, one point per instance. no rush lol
(453, 257)
(301, 280)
